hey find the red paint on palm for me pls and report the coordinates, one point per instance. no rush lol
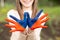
(38, 23)
(16, 25)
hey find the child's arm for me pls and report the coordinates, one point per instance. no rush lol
(35, 34)
(38, 30)
(17, 35)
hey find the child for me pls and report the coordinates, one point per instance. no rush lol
(22, 6)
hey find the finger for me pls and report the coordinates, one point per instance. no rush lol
(38, 22)
(44, 26)
(16, 30)
(28, 17)
(45, 20)
(12, 30)
(19, 27)
(9, 20)
(25, 15)
(25, 18)
(39, 13)
(9, 26)
(15, 26)
(43, 16)
(14, 18)
(17, 20)
(41, 21)
(40, 26)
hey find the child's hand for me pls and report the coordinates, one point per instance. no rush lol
(21, 22)
(20, 25)
(16, 25)
(32, 21)
(38, 23)
(35, 22)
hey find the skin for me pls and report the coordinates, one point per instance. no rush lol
(27, 4)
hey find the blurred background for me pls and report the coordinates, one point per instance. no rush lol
(52, 7)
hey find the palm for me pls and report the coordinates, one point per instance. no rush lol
(32, 21)
(16, 25)
(19, 25)
(38, 23)
(21, 22)
(35, 22)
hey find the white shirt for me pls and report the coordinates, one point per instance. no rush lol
(16, 35)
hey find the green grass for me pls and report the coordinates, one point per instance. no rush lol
(54, 12)
(4, 10)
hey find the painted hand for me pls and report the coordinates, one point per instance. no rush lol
(35, 22)
(16, 25)
(38, 23)
(19, 24)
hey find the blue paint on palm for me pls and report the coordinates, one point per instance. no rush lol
(21, 22)
(27, 20)
(31, 21)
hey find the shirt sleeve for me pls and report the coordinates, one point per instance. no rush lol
(17, 35)
(38, 30)
(35, 35)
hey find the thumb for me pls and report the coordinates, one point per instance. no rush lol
(36, 17)
(14, 18)
(39, 13)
